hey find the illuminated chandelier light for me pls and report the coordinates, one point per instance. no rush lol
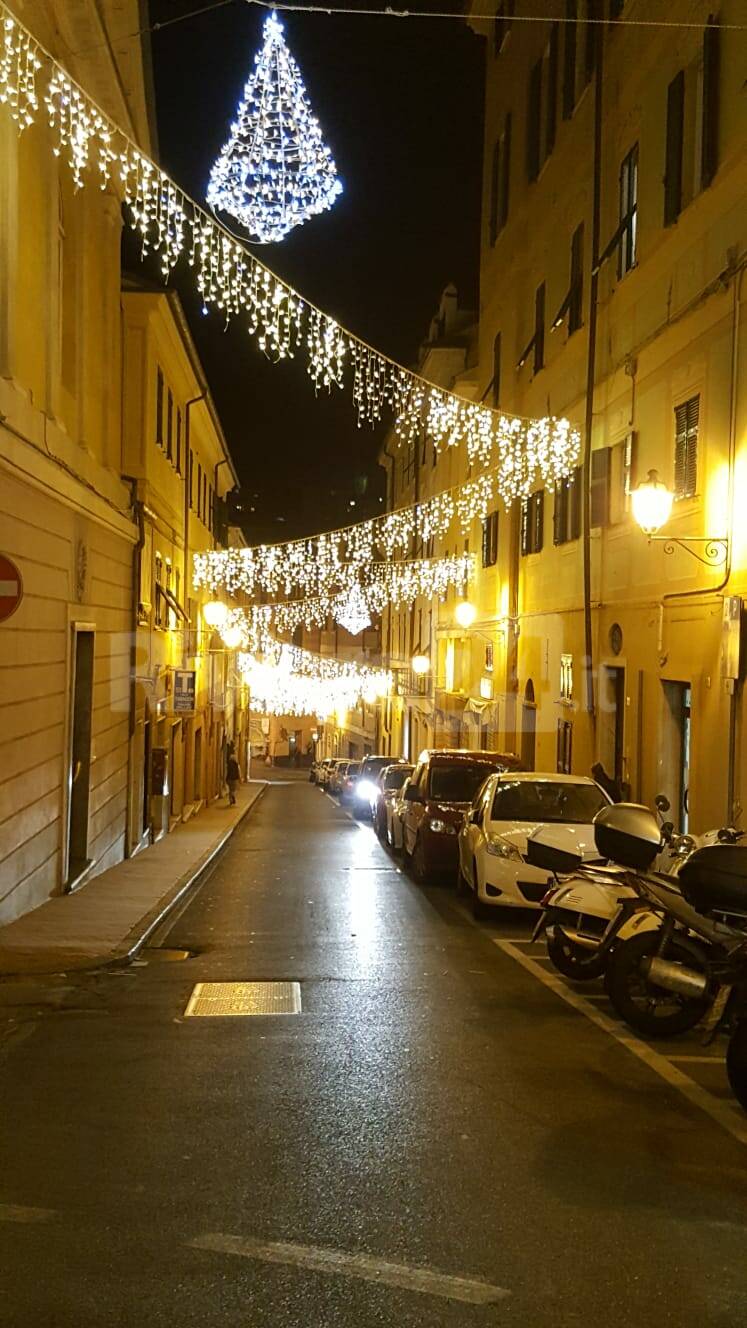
(275, 171)
(232, 281)
(351, 610)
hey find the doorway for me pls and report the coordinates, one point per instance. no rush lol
(79, 774)
(674, 760)
(197, 782)
(529, 727)
(147, 750)
(612, 721)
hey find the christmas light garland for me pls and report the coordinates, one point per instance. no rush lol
(232, 281)
(393, 584)
(275, 171)
(292, 681)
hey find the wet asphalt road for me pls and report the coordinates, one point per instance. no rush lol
(432, 1107)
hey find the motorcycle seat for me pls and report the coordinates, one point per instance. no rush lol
(714, 879)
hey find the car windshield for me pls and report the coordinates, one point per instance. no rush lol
(458, 782)
(526, 800)
(395, 778)
(373, 765)
(353, 768)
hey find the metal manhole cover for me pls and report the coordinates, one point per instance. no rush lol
(244, 998)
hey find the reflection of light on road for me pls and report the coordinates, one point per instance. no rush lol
(363, 894)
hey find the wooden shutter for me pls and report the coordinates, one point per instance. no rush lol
(675, 129)
(169, 424)
(551, 110)
(525, 525)
(493, 539)
(497, 370)
(600, 487)
(569, 59)
(485, 542)
(538, 521)
(593, 12)
(560, 510)
(534, 111)
(495, 176)
(574, 497)
(539, 328)
(711, 68)
(576, 292)
(505, 181)
(687, 419)
(159, 407)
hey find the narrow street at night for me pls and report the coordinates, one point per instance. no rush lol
(434, 1138)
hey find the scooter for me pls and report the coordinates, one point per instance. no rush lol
(699, 951)
(667, 969)
(581, 916)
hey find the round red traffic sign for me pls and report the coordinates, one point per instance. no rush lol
(11, 587)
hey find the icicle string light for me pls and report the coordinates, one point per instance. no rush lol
(232, 281)
(292, 681)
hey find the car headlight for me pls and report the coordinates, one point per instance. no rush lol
(441, 827)
(502, 848)
(365, 788)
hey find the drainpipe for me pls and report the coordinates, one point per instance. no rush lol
(187, 484)
(137, 555)
(590, 380)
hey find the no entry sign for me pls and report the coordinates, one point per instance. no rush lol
(11, 587)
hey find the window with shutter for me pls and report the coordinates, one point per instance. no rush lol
(490, 540)
(686, 424)
(159, 407)
(710, 125)
(169, 425)
(600, 486)
(576, 290)
(593, 12)
(534, 113)
(622, 478)
(628, 227)
(574, 495)
(495, 175)
(569, 59)
(525, 545)
(675, 138)
(496, 387)
(539, 328)
(551, 100)
(560, 512)
(178, 441)
(505, 180)
(537, 514)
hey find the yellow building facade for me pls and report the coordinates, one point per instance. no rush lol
(65, 514)
(614, 171)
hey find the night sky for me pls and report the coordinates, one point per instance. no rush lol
(400, 104)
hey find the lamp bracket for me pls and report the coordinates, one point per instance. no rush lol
(710, 552)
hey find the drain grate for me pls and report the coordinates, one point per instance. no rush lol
(244, 998)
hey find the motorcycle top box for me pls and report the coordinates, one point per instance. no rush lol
(628, 834)
(714, 879)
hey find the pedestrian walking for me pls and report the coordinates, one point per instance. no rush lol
(233, 776)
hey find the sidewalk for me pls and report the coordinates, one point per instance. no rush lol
(111, 917)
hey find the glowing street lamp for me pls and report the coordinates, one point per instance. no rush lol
(465, 613)
(215, 614)
(652, 504)
(232, 637)
(420, 664)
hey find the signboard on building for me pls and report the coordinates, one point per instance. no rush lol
(11, 587)
(184, 689)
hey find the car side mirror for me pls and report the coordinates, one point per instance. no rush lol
(662, 803)
(475, 815)
(667, 830)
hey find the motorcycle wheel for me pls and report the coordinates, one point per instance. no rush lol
(736, 1064)
(572, 960)
(645, 1007)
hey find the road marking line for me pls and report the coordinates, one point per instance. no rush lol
(427, 1281)
(728, 1117)
(19, 1213)
(698, 1060)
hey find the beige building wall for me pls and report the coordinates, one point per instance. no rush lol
(176, 454)
(65, 513)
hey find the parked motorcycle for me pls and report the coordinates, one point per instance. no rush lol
(698, 952)
(581, 916)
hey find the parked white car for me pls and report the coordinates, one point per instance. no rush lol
(493, 837)
(395, 819)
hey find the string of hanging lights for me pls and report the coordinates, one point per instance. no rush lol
(232, 281)
(353, 607)
(292, 681)
(309, 566)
